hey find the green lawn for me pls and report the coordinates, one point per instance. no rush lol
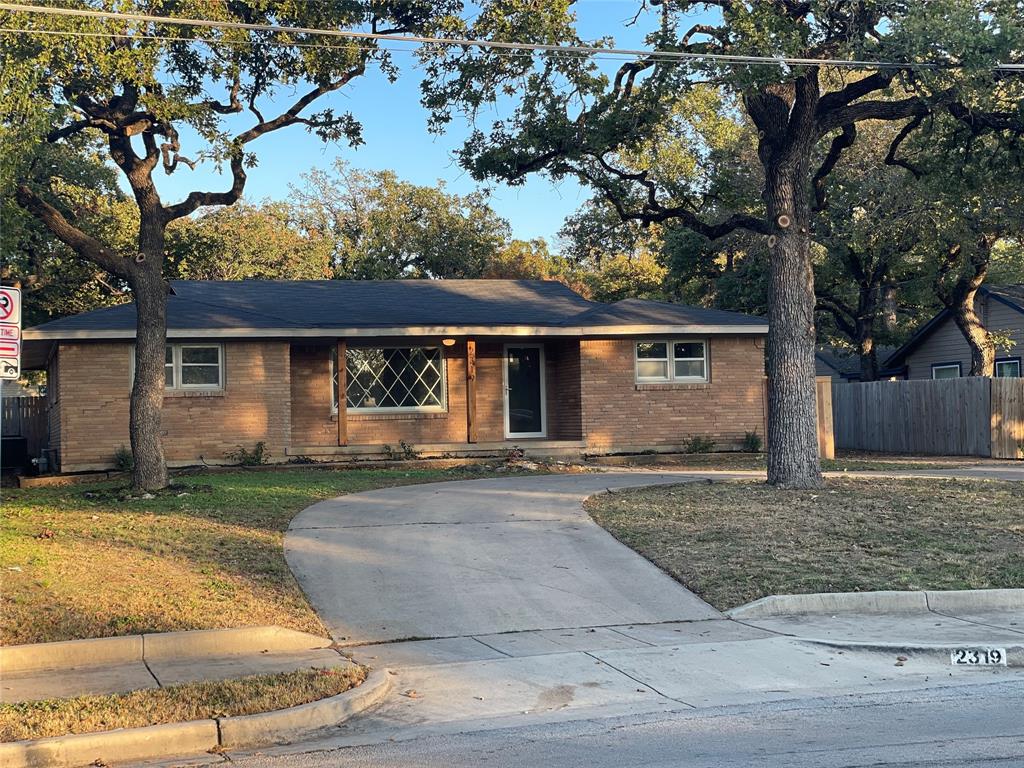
(78, 561)
(735, 542)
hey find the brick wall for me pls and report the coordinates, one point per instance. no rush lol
(619, 414)
(280, 394)
(95, 381)
(313, 424)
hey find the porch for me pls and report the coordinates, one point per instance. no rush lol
(435, 396)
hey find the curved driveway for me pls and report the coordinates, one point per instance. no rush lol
(476, 557)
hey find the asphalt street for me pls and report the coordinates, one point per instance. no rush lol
(978, 725)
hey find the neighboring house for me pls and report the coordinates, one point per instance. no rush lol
(844, 366)
(444, 366)
(940, 351)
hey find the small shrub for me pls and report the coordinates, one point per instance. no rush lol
(408, 451)
(699, 444)
(389, 452)
(301, 460)
(515, 453)
(246, 458)
(123, 459)
(752, 442)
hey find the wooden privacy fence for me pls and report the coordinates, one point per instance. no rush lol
(25, 417)
(971, 416)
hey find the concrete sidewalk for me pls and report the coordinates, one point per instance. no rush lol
(464, 684)
(118, 665)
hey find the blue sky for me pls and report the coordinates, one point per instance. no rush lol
(396, 136)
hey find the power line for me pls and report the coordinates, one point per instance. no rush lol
(677, 56)
(281, 43)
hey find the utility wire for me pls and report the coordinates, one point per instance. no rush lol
(279, 43)
(679, 56)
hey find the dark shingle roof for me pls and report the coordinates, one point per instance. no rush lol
(647, 312)
(847, 363)
(307, 305)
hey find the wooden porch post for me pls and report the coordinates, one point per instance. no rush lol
(342, 387)
(471, 425)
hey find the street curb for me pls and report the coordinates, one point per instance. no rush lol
(938, 651)
(160, 646)
(123, 745)
(880, 602)
(285, 725)
(174, 740)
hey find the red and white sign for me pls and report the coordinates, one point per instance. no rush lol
(10, 305)
(10, 332)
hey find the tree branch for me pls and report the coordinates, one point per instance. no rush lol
(841, 142)
(906, 130)
(84, 245)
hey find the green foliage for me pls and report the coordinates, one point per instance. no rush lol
(752, 442)
(123, 460)
(246, 242)
(408, 450)
(242, 456)
(699, 444)
(381, 227)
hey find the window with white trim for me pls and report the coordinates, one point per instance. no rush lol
(1008, 368)
(682, 360)
(391, 379)
(191, 366)
(946, 371)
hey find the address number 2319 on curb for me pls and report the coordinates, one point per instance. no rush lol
(978, 657)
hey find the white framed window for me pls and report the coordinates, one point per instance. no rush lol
(191, 366)
(391, 379)
(682, 360)
(1008, 368)
(945, 370)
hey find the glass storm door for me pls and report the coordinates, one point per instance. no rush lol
(524, 391)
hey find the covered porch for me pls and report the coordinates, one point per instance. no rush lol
(435, 396)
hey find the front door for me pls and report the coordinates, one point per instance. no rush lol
(524, 391)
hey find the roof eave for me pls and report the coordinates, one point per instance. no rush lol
(31, 334)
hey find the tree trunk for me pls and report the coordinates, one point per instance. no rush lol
(983, 352)
(792, 408)
(867, 310)
(960, 301)
(149, 292)
(868, 356)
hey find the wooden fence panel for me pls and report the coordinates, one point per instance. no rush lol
(951, 417)
(826, 434)
(1007, 418)
(26, 417)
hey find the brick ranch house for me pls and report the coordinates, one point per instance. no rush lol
(446, 366)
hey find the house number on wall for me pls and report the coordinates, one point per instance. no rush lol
(978, 657)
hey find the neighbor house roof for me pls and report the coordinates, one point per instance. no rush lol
(1010, 295)
(367, 308)
(847, 363)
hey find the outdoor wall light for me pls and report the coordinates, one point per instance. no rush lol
(448, 342)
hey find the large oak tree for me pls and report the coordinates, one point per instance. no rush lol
(163, 97)
(565, 116)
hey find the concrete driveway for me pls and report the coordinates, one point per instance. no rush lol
(478, 557)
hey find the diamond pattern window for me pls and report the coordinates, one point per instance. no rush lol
(391, 379)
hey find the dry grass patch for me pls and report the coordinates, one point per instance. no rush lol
(174, 704)
(735, 542)
(845, 462)
(79, 561)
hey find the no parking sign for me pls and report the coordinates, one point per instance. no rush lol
(10, 332)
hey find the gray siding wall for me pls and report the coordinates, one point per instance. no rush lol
(947, 345)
